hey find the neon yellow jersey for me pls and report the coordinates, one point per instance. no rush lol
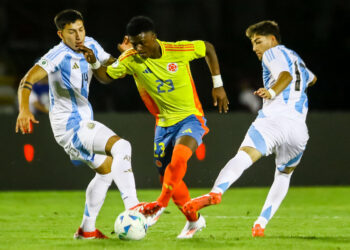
(165, 84)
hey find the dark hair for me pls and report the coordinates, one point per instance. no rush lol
(264, 28)
(67, 17)
(139, 24)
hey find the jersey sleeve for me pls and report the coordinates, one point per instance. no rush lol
(117, 69)
(49, 65)
(121, 67)
(189, 50)
(99, 52)
(276, 61)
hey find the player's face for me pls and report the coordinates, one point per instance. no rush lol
(145, 43)
(262, 43)
(73, 34)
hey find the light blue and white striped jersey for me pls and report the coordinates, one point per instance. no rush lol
(69, 80)
(292, 101)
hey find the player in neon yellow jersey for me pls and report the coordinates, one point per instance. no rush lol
(162, 74)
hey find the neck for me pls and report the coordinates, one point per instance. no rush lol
(157, 52)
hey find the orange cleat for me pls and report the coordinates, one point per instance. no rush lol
(198, 203)
(151, 208)
(80, 234)
(258, 231)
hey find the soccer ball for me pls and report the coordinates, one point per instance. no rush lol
(130, 225)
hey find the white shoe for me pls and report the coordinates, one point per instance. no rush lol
(152, 219)
(191, 228)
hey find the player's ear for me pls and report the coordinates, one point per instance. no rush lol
(59, 33)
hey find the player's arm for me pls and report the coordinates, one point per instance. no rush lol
(283, 80)
(25, 117)
(98, 69)
(218, 92)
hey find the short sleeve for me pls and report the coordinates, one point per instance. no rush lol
(48, 65)
(189, 50)
(276, 62)
(117, 70)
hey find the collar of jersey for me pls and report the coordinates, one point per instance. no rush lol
(73, 51)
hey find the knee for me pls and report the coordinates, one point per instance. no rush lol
(286, 170)
(121, 147)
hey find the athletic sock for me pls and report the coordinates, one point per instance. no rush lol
(232, 171)
(95, 196)
(122, 172)
(174, 173)
(180, 196)
(275, 197)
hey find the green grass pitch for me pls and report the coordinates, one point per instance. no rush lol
(309, 218)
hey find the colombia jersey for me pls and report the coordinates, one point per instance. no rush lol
(165, 84)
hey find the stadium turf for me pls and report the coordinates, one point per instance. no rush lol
(309, 218)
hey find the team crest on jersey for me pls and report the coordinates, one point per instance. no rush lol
(172, 67)
(90, 125)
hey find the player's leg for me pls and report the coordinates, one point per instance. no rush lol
(288, 156)
(95, 196)
(252, 149)
(106, 141)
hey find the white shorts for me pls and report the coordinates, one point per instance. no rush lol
(285, 137)
(78, 144)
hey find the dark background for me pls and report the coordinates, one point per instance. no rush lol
(317, 30)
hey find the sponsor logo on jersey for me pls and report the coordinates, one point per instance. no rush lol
(172, 67)
(75, 66)
(147, 71)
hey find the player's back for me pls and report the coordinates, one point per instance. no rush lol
(293, 101)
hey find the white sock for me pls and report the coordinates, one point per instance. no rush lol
(95, 196)
(275, 197)
(122, 173)
(232, 171)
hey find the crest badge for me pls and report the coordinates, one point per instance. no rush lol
(172, 67)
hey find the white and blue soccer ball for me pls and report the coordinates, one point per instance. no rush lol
(130, 225)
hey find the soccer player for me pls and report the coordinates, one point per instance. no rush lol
(162, 74)
(69, 69)
(280, 127)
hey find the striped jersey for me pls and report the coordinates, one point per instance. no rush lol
(69, 77)
(165, 84)
(292, 101)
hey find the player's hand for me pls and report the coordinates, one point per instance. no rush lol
(220, 99)
(125, 45)
(263, 93)
(88, 53)
(24, 120)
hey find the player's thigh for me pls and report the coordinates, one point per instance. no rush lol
(289, 154)
(191, 127)
(263, 135)
(80, 146)
(163, 148)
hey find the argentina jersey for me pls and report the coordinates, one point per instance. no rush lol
(69, 76)
(292, 101)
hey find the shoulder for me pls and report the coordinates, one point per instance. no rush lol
(56, 52)
(276, 53)
(127, 55)
(178, 46)
(90, 41)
